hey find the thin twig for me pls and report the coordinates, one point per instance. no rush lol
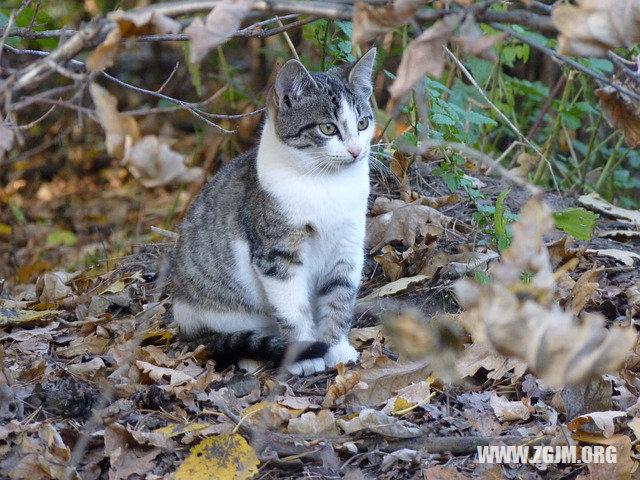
(166, 82)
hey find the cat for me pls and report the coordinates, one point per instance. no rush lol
(271, 250)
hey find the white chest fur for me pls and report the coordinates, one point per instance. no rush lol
(334, 203)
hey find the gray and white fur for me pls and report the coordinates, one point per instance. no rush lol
(271, 251)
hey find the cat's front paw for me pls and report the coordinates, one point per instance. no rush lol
(307, 367)
(343, 352)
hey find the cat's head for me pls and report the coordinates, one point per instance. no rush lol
(325, 115)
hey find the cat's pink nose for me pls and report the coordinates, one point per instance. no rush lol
(355, 151)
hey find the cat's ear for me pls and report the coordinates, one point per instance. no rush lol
(361, 71)
(292, 82)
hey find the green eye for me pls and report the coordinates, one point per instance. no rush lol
(363, 123)
(328, 128)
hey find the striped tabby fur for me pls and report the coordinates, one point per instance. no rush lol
(271, 250)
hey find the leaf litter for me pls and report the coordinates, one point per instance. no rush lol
(432, 379)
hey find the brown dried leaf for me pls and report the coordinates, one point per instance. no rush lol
(345, 381)
(595, 26)
(424, 55)
(128, 24)
(475, 42)
(222, 22)
(621, 112)
(314, 424)
(118, 128)
(383, 382)
(603, 420)
(585, 290)
(126, 457)
(509, 411)
(479, 355)
(370, 21)
(380, 423)
(52, 287)
(396, 221)
(622, 468)
(154, 163)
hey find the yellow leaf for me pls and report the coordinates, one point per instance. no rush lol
(115, 287)
(175, 429)
(401, 404)
(12, 316)
(227, 456)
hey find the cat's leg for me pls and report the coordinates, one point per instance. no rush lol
(336, 296)
(286, 287)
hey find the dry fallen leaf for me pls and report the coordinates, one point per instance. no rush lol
(52, 287)
(345, 381)
(603, 420)
(221, 456)
(621, 112)
(222, 22)
(593, 27)
(622, 468)
(382, 382)
(311, 423)
(396, 221)
(584, 290)
(475, 42)
(154, 163)
(424, 55)
(594, 202)
(509, 411)
(380, 423)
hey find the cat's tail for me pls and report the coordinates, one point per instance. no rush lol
(229, 347)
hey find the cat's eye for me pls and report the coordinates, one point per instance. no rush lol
(363, 123)
(328, 128)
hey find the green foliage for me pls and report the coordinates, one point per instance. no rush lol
(502, 231)
(331, 38)
(60, 238)
(577, 222)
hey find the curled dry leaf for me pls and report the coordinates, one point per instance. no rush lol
(593, 27)
(622, 468)
(128, 24)
(424, 55)
(154, 163)
(475, 42)
(149, 158)
(409, 396)
(522, 321)
(222, 22)
(594, 202)
(509, 411)
(52, 287)
(119, 128)
(603, 420)
(345, 381)
(621, 112)
(584, 290)
(396, 221)
(382, 382)
(370, 21)
(311, 423)
(380, 423)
